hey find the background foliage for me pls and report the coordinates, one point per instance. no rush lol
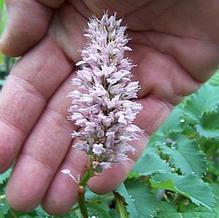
(178, 174)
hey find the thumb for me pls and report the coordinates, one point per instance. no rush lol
(28, 21)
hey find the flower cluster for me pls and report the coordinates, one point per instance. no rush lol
(103, 105)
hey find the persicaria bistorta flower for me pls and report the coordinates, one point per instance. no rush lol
(103, 105)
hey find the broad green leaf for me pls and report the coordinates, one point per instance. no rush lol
(206, 98)
(149, 164)
(145, 201)
(172, 123)
(183, 154)
(190, 186)
(141, 202)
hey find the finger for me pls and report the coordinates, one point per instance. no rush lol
(43, 152)
(28, 22)
(31, 83)
(149, 119)
(199, 66)
(51, 3)
(160, 75)
(63, 192)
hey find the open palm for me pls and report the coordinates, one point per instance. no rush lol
(175, 46)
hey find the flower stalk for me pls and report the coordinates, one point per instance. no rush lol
(82, 187)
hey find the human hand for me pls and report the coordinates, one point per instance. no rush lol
(175, 45)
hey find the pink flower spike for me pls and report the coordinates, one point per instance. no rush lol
(103, 107)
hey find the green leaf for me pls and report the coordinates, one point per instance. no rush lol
(89, 195)
(207, 133)
(98, 210)
(41, 213)
(4, 177)
(209, 125)
(98, 205)
(214, 80)
(215, 189)
(206, 98)
(149, 164)
(202, 212)
(183, 153)
(131, 208)
(141, 202)
(190, 186)
(167, 210)
(172, 123)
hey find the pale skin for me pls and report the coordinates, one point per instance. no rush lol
(175, 46)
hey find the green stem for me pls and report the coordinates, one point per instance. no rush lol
(120, 204)
(86, 177)
(81, 192)
(82, 202)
